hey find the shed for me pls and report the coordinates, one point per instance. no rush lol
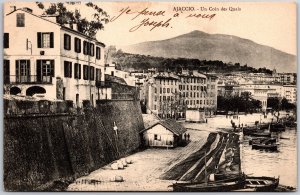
(165, 133)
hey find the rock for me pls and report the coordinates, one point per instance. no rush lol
(119, 179)
(128, 161)
(114, 166)
(120, 165)
(124, 162)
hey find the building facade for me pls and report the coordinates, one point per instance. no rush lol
(170, 95)
(50, 60)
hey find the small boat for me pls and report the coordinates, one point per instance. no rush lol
(262, 184)
(216, 186)
(264, 140)
(259, 146)
(277, 127)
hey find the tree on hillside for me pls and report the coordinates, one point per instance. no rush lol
(65, 16)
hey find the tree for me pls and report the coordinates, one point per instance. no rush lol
(286, 105)
(274, 103)
(65, 16)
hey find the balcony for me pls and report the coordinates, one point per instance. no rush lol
(31, 79)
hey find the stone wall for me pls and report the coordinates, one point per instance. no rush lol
(41, 149)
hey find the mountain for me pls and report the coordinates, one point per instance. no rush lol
(227, 48)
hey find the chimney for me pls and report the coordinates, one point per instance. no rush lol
(51, 18)
(13, 8)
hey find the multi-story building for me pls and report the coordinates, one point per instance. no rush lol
(51, 60)
(290, 93)
(193, 89)
(162, 94)
(170, 95)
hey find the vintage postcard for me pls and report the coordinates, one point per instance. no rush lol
(150, 96)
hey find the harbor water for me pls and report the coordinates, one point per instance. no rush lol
(282, 163)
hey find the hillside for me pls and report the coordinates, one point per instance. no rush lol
(226, 48)
(137, 62)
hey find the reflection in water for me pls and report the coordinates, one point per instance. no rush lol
(282, 163)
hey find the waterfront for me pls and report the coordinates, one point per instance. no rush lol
(148, 165)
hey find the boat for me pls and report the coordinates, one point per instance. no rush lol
(259, 146)
(277, 127)
(215, 186)
(264, 140)
(262, 184)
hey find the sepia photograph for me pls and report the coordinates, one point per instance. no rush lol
(149, 96)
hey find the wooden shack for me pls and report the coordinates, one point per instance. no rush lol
(165, 133)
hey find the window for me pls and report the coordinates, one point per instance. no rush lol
(45, 70)
(67, 42)
(77, 71)
(155, 90)
(6, 71)
(164, 90)
(98, 74)
(6, 40)
(92, 73)
(45, 40)
(85, 48)
(155, 136)
(22, 70)
(68, 69)
(92, 49)
(160, 90)
(20, 19)
(77, 45)
(168, 90)
(85, 72)
(98, 53)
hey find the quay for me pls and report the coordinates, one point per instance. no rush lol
(157, 169)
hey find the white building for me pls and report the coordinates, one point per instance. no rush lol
(165, 133)
(43, 57)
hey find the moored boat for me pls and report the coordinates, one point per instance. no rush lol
(216, 186)
(261, 146)
(262, 184)
(277, 127)
(264, 140)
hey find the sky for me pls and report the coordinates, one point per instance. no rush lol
(272, 24)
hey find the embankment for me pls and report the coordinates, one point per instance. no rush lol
(46, 143)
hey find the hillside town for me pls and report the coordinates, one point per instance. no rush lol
(74, 118)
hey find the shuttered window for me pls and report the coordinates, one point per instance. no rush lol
(67, 42)
(77, 71)
(77, 45)
(45, 40)
(6, 40)
(68, 69)
(6, 71)
(85, 72)
(20, 19)
(98, 53)
(92, 73)
(45, 70)
(92, 49)
(85, 48)
(98, 74)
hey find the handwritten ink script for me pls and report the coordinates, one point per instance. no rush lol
(154, 19)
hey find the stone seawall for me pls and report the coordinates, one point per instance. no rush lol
(43, 149)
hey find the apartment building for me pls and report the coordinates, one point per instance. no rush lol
(50, 60)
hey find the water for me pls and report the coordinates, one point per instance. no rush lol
(282, 163)
(261, 163)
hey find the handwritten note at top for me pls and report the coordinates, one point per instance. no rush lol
(152, 18)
